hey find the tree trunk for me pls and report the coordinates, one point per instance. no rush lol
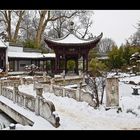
(41, 28)
(102, 95)
(43, 23)
(8, 21)
(18, 26)
(96, 92)
(38, 38)
(7, 14)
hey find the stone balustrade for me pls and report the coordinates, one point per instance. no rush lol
(37, 103)
(71, 93)
(68, 81)
(10, 82)
(77, 93)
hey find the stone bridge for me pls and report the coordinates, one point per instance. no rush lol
(36, 104)
(23, 107)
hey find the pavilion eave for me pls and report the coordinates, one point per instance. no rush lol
(92, 42)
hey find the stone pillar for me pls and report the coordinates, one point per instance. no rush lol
(64, 92)
(78, 92)
(24, 101)
(51, 86)
(39, 92)
(44, 76)
(83, 81)
(15, 91)
(80, 73)
(63, 74)
(112, 92)
(34, 82)
(21, 80)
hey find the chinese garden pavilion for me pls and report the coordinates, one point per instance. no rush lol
(71, 47)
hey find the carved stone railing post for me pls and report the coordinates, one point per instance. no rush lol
(44, 76)
(34, 82)
(64, 92)
(15, 91)
(21, 80)
(78, 92)
(35, 85)
(24, 101)
(83, 81)
(47, 111)
(51, 86)
(39, 92)
(80, 73)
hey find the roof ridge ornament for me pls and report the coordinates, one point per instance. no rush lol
(71, 27)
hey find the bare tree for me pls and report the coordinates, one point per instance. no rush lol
(105, 45)
(82, 20)
(44, 18)
(135, 38)
(32, 25)
(10, 19)
(86, 22)
(102, 85)
(28, 26)
(96, 79)
(58, 28)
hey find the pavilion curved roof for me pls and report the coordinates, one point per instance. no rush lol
(72, 39)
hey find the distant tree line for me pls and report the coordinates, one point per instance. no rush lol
(119, 57)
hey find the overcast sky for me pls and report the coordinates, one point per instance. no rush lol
(115, 24)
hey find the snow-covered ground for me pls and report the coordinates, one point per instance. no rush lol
(80, 116)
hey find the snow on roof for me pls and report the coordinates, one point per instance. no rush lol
(24, 55)
(29, 55)
(2, 44)
(71, 38)
(49, 55)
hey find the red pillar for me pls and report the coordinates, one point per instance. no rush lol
(57, 60)
(65, 61)
(76, 63)
(86, 62)
(83, 63)
(55, 64)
